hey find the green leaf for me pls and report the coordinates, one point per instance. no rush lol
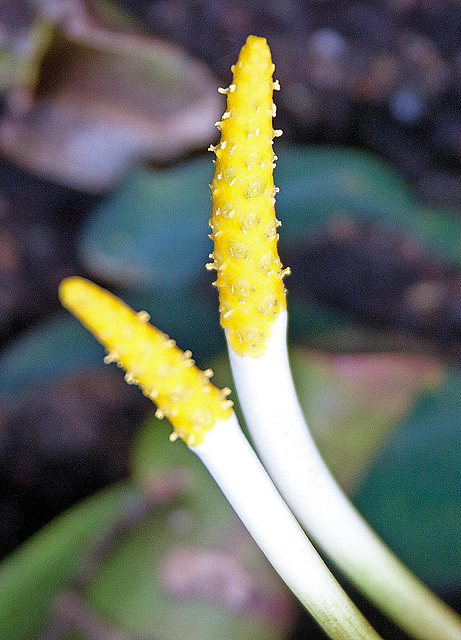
(318, 183)
(321, 184)
(56, 347)
(152, 232)
(411, 495)
(442, 230)
(188, 569)
(388, 427)
(191, 570)
(39, 569)
(354, 402)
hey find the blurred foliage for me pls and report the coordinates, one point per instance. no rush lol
(152, 232)
(172, 561)
(166, 250)
(33, 575)
(218, 584)
(411, 493)
(388, 427)
(318, 184)
(354, 403)
(48, 351)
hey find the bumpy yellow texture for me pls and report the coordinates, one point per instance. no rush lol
(165, 374)
(243, 223)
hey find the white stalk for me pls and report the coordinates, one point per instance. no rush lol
(237, 470)
(282, 439)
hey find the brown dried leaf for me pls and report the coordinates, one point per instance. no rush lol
(106, 98)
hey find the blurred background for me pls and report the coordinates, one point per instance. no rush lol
(106, 112)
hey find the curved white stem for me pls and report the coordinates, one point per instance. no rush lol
(278, 429)
(237, 470)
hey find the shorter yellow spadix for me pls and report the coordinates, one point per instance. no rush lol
(165, 374)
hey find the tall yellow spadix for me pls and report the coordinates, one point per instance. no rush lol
(243, 223)
(165, 374)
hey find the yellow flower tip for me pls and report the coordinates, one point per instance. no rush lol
(243, 223)
(67, 289)
(151, 360)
